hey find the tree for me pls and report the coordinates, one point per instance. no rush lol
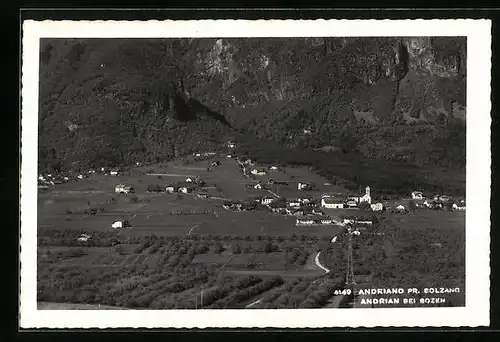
(236, 249)
(217, 248)
(411, 205)
(364, 206)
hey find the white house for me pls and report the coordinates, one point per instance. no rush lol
(114, 172)
(83, 237)
(267, 200)
(377, 207)
(351, 203)
(80, 176)
(366, 197)
(293, 203)
(418, 195)
(331, 203)
(301, 221)
(326, 221)
(170, 188)
(184, 189)
(117, 224)
(273, 168)
(189, 180)
(258, 186)
(258, 172)
(303, 200)
(400, 208)
(458, 206)
(123, 189)
(303, 186)
(231, 144)
(364, 221)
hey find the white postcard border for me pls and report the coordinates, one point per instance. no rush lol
(476, 311)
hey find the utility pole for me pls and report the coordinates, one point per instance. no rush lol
(350, 267)
(350, 271)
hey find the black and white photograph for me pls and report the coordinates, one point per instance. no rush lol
(326, 176)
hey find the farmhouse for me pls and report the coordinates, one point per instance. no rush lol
(418, 195)
(331, 203)
(83, 237)
(267, 200)
(115, 171)
(303, 186)
(351, 203)
(293, 203)
(303, 221)
(304, 200)
(400, 208)
(326, 220)
(377, 206)
(121, 224)
(442, 198)
(189, 180)
(123, 189)
(170, 188)
(258, 172)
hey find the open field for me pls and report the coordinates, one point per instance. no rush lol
(75, 306)
(260, 223)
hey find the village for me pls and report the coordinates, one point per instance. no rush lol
(309, 207)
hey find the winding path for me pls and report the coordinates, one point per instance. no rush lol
(316, 260)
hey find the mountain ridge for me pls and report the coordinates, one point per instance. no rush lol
(117, 101)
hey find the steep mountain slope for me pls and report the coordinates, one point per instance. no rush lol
(122, 100)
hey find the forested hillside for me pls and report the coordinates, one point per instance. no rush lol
(118, 101)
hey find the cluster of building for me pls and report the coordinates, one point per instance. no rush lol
(333, 202)
(124, 188)
(188, 186)
(438, 201)
(48, 179)
(326, 220)
(204, 154)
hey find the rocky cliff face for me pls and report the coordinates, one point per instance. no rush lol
(395, 98)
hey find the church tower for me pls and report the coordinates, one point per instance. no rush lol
(367, 196)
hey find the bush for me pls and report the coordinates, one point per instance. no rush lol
(236, 249)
